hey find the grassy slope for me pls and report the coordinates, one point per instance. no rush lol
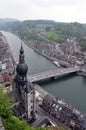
(55, 36)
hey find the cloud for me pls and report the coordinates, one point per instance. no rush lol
(44, 3)
(59, 10)
(14, 8)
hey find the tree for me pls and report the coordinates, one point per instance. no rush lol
(48, 28)
(5, 104)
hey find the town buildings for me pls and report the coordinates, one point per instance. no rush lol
(6, 62)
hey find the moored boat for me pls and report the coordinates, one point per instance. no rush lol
(56, 63)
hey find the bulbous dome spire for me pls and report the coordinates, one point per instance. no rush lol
(21, 50)
(22, 67)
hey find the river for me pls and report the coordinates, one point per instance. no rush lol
(71, 88)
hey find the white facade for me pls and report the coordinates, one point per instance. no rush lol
(27, 98)
(30, 102)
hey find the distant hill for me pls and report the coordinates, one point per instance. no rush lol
(5, 20)
(56, 31)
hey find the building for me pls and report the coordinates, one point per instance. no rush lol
(24, 91)
(64, 113)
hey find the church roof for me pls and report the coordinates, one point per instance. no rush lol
(21, 50)
(22, 67)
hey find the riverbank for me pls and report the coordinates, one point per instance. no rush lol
(27, 43)
(58, 110)
(60, 62)
(6, 62)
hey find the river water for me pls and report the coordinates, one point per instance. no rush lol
(71, 88)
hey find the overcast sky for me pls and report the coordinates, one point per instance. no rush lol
(58, 10)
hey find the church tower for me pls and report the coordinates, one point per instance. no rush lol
(24, 90)
(22, 68)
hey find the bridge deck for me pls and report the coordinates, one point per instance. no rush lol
(51, 73)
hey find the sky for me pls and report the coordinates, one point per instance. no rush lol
(58, 10)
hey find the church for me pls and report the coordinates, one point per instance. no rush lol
(24, 91)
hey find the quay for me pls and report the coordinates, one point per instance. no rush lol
(55, 73)
(58, 111)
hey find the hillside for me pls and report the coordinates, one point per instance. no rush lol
(7, 20)
(56, 31)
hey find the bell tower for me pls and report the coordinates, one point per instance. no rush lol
(24, 90)
(22, 68)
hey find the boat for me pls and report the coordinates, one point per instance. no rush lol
(56, 63)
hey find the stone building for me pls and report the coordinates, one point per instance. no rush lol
(24, 91)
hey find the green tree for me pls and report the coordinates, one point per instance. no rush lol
(5, 104)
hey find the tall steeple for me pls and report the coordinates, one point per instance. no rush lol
(21, 56)
(22, 67)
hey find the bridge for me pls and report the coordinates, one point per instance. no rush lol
(55, 73)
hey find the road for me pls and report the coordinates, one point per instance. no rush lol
(51, 73)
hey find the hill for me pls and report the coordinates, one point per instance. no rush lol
(5, 20)
(56, 31)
